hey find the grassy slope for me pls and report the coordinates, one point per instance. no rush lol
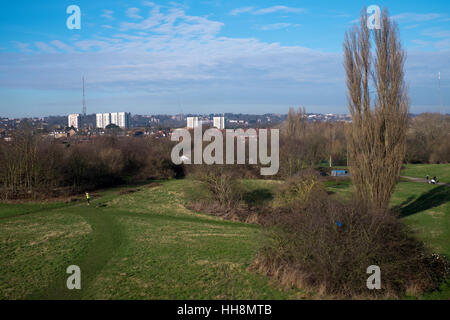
(441, 171)
(140, 245)
(147, 245)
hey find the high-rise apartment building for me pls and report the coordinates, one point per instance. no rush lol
(192, 122)
(102, 120)
(74, 120)
(99, 120)
(106, 118)
(120, 119)
(219, 122)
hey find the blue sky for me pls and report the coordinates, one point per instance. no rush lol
(203, 56)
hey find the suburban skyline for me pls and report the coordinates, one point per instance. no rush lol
(204, 56)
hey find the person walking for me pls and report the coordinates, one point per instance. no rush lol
(88, 199)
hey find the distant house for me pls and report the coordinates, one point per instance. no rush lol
(340, 173)
(71, 132)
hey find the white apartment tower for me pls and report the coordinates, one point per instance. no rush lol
(219, 122)
(74, 120)
(102, 120)
(120, 119)
(99, 120)
(192, 122)
(106, 118)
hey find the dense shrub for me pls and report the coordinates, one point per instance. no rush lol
(327, 247)
(33, 166)
(298, 191)
(223, 185)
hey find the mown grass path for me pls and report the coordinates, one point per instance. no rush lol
(142, 243)
(107, 236)
(139, 245)
(424, 181)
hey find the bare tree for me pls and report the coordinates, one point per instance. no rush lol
(296, 123)
(377, 136)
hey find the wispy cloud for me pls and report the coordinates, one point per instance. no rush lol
(238, 11)
(23, 47)
(107, 14)
(62, 46)
(133, 13)
(262, 11)
(45, 47)
(278, 26)
(169, 51)
(175, 21)
(279, 9)
(417, 17)
(436, 33)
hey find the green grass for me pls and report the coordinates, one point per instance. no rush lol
(147, 245)
(8, 210)
(142, 245)
(426, 208)
(441, 171)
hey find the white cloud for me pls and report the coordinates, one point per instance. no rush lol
(45, 47)
(262, 11)
(175, 22)
(417, 17)
(238, 11)
(278, 26)
(436, 38)
(279, 9)
(133, 13)
(422, 43)
(171, 53)
(61, 45)
(23, 47)
(107, 14)
(436, 33)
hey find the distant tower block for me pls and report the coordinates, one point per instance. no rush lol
(120, 119)
(219, 122)
(440, 96)
(74, 120)
(84, 100)
(192, 122)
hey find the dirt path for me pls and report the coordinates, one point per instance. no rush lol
(424, 181)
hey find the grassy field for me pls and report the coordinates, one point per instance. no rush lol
(441, 171)
(141, 242)
(141, 245)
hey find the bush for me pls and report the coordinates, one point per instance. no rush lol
(299, 191)
(35, 166)
(223, 185)
(327, 246)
